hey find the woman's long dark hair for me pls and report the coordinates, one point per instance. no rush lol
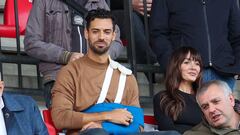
(171, 101)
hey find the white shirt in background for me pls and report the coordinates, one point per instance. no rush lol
(3, 130)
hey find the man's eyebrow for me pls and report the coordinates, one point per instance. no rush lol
(100, 29)
(95, 29)
(107, 29)
(216, 98)
(203, 104)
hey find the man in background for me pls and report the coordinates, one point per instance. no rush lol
(221, 110)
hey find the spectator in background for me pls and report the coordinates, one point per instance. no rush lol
(211, 27)
(19, 115)
(141, 44)
(54, 35)
(221, 111)
(176, 108)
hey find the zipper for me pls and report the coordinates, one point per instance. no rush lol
(80, 39)
(207, 31)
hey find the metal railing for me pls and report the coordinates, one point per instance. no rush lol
(18, 57)
(131, 51)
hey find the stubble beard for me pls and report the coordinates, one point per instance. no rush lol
(99, 51)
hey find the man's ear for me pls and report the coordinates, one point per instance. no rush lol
(232, 100)
(114, 35)
(86, 33)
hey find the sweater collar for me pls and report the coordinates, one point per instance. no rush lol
(95, 64)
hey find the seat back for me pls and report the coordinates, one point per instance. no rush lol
(52, 130)
(24, 7)
(150, 123)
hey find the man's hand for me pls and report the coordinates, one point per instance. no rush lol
(139, 7)
(92, 125)
(75, 56)
(120, 116)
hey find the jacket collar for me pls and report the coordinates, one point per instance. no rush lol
(237, 106)
(219, 131)
(11, 104)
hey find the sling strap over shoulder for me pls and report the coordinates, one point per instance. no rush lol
(108, 76)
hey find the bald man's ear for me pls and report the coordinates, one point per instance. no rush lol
(86, 33)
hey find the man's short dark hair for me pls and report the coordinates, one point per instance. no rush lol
(101, 14)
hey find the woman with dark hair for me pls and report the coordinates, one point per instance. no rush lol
(176, 107)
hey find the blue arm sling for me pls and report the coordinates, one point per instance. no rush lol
(117, 129)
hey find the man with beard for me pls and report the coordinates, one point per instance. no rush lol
(220, 109)
(93, 79)
(95, 95)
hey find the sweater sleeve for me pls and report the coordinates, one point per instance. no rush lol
(134, 91)
(63, 114)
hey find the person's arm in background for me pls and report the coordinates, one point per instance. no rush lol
(36, 47)
(34, 43)
(234, 30)
(159, 31)
(138, 6)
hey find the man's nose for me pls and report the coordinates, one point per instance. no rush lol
(211, 108)
(101, 35)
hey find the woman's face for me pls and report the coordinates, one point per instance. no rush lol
(190, 69)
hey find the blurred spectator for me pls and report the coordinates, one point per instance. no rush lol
(141, 44)
(176, 108)
(19, 115)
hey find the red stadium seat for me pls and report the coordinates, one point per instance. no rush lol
(52, 130)
(8, 29)
(149, 123)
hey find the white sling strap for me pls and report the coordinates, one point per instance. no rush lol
(106, 84)
(121, 86)
(108, 76)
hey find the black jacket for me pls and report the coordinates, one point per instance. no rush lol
(212, 27)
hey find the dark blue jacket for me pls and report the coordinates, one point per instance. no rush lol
(212, 27)
(22, 116)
